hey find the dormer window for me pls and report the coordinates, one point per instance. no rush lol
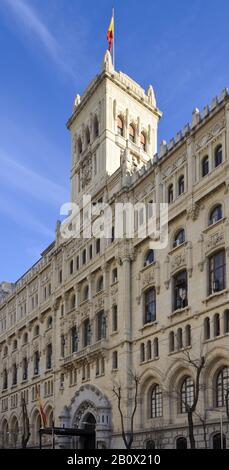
(131, 133)
(120, 125)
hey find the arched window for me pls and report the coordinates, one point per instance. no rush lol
(171, 341)
(143, 141)
(79, 144)
(179, 238)
(25, 369)
(87, 136)
(131, 133)
(156, 402)
(188, 335)
(149, 258)
(181, 443)
(120, 125)
(148, 350)
(218, 441)
(96, 127)
(170, 193)
(226, 321)
(217, 272)
(142, 352)
(114, 275)
(179, 338)
(49, 356)
(5, 379)
(14, 345)
(222, 386)
(14, 374)
(85, 293)
(187, 394)
(49, 322)
(218, 155)
(150, 444)
(74, 339)
(207, 331)
(216, 323)
(100, 284)
(101, 325)
(180, 295)
(181, 185)
(36, 362)
(25, 338)
(36, 330)
(71, 266)
(205, 166)
(155, 348)
(216, 214)
(150, 306)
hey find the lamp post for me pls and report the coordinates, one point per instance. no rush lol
(221, 424)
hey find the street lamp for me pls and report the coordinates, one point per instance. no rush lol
(221, 424)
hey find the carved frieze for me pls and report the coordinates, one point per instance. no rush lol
(215, 130)
(214, 240)
(86, 171)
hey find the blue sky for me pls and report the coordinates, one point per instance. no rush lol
(50, 50)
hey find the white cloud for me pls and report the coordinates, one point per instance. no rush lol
(33, 24)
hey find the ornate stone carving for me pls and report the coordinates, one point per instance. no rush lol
(214, 240)
(210, 134)
(86, 171)
(193, 211)
(178, 261)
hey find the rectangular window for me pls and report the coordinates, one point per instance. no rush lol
(101, 325)
(74, 336)
(150, 306)
(114, 318)
(86, 333)
(217, 272)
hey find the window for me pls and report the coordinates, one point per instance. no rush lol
(115, 360)
(156, 402)
(215, 214)
(170, 193)
(217, 272)
(14, 345)
(143, 141)
(87, 136)
(49, 322)
(171, 341)
(86, 333)
(84, 256)
(114, 275)
(148, 350)
(49, 356)
(149, 258)
(114, 318)
(142, 352)
(226, 321)
(216, 324)
(219, 442)
(179, 238)
(97, 245)
(77, 262)
(5, 379)
(96, 127)
(101, 325)
(79, 145)
(36, 330)
(205, 166)
(60, 276)
(25, 338)
(36, 362)
(180, 290)
(181, 443)
(187, 394)
(188, 339)
(25, 369)
(222, 386)
(218, 155)
(74, 339)
(181, 185)
(86, 293)
(5, 351)
(72, 302)
(131, 133)
(100, 284)
(156, 348)
(71, 266)
(90, 251)
(150, 306)
(120, 125)
(207, 328)
(112, 234)
(62, 345)
(179, 338)
(14, 374)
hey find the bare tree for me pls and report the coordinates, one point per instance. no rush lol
(204, 425)
(128, 436)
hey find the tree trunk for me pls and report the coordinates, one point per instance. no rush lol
(191, 429)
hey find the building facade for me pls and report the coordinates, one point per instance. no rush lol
(94, 313)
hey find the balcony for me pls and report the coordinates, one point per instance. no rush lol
(86, 352)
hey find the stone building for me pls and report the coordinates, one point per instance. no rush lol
(92, 312)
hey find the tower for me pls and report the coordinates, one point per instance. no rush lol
(113, 117)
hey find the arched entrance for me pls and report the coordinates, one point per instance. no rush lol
(181, 443)
(88, 424)
(219, 442)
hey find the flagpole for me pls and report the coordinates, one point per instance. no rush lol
(113, 39)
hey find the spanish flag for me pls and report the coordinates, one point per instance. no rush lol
(110, 33)
(41, 409)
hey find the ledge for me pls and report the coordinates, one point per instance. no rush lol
(179, 311)
(148, 325)
(176, 248)
(216, 224)
(215, 295)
